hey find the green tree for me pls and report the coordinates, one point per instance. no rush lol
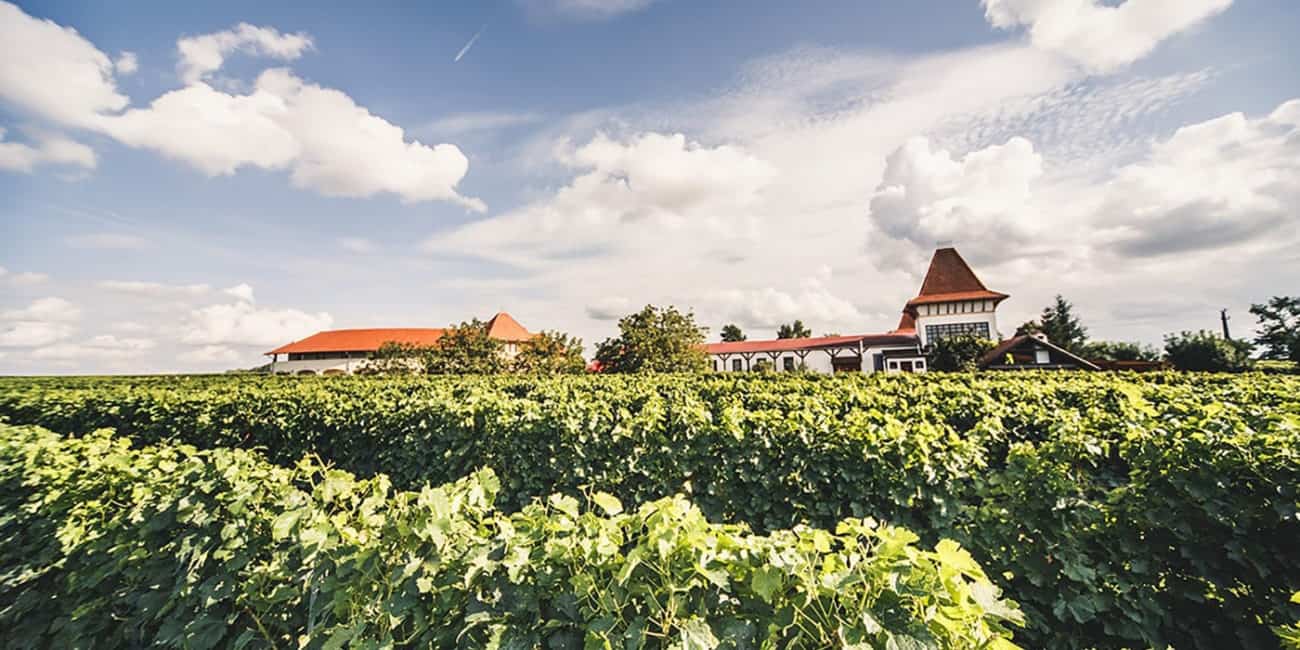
(466, 349)
(1204, 352)
(795, 330)
(731, 333)
(394, 358)
(1060, 325)
(551, 353)
(1118, 351)
(959, 352)
(655, 340)
(1279, 327)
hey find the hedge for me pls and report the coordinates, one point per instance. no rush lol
(106, 545)
(1119, 510)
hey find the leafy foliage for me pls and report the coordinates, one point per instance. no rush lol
(655, 340)
(1118, 351)
(394, 358)
(1203, 351)
(1289, 635)
(731, 333)
(959, 352)
(1119, 510)
(109, 546)
(795, 330)
(466, 349)
(1060, 325)
(550, 353)
(1279, 327)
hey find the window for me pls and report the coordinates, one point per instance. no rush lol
(936, 332)
(788, 363)
(1042, 357)
(737, 365)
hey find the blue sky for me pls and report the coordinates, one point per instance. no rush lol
(264, 171)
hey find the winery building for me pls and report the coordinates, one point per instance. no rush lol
(952, 300)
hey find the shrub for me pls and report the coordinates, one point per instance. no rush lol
(959, 352)
(105, 545)
(1204, 352)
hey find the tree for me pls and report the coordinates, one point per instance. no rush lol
(394, 358)
(958, 352)
(655, 340)
(551, 353)
(1118, 351)
(466, 349)
(795, 330)
(1060, 325)
(1204, 352)
(1279, 327)
(731, 333)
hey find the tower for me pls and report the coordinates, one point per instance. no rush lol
(953, 301)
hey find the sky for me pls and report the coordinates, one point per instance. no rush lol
(184, 186)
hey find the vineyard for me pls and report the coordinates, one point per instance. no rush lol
(1066, 510)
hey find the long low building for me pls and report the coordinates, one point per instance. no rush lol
(952, 300)
(342, 352)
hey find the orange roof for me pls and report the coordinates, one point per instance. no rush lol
(363, 340)
(949, 279)
(785, 345)
(506, 328)
(502, 327)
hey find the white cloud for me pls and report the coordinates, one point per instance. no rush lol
(650, 182)
(484, 121)
(241, 291)
(769, 307)
(126, 63)
(154, 289)
(211, 354)
(925, 196)
(241, 323)
(359, 245)
(129, 327)
(202, 55)
(52, 71)
(1101, 36)
(51, 148)
(105, 347)
(23, 279)
(51, 309)
(27, 334)
(108, 241)
(610, 308)
(587, 9)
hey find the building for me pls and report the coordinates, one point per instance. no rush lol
(342, 352)
(1033, 352)
(952, 300)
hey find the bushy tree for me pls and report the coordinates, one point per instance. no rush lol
(464, 350)
(795, 330)
(1204, 352)
(655, 340)
(1279, 327)
(1060, 325)
(1118, 351)
(394, 358)
(731, 333)
(551, 353)
(959, 352)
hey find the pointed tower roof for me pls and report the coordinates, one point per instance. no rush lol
(504, 327)
(949, 279)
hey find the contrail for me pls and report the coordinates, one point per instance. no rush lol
(464, 50)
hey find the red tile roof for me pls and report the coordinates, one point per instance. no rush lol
(360, 340)
(814, 343)
(950, 278)
(502, 327)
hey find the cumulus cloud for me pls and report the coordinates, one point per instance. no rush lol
(926, 196)
(204, 54)
(27, 334)
(813, 302)
(104, 347)
(126, 63)
(50, 148)
(651, 181)
(586, 9)
(610, 308)
(51, 309)
(22, 279)
(1101, 36)
(211, 354)
(242, 323)
(154, 289)
(241, 291)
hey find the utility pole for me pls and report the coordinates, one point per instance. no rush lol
(1223, 317)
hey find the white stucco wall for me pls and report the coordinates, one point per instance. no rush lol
(815, 360)
(989, 317)
(318, 366)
